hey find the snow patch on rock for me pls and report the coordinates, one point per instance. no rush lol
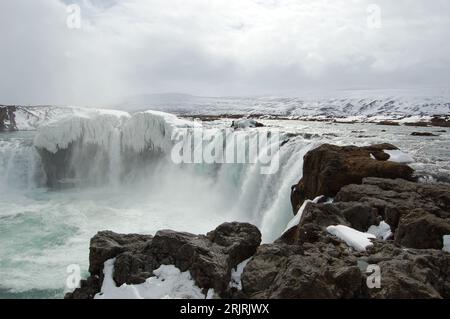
(399, 156)
(353, 238)
(446, 240)
(237, 273)
(296, 220)
(168, 283)
(382, 231)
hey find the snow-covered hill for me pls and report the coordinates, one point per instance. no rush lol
(391, 104)
(373, 105)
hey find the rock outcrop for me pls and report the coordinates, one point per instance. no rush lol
(328, 168)
(442, 121)
(3, 118)
(245, 123)
(7, 114)
(209, 258)
(308, 262)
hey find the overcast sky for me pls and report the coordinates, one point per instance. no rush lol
(217, 47)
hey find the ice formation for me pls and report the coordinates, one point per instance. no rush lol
(382, 231)
(168, 283)
(297, 218)
(446, 240)
(92, 126)
(144, 130)
(151, 129)
(236, 275)
(399, 156)
(353, 238)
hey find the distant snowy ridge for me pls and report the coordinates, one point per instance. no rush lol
(392, 104)
(31, 117)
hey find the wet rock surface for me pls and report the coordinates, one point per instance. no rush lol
(329, 167)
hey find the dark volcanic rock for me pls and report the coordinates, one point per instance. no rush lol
(245, 123)
(307, 262)
(420, 229)
(423, 134)
(442, 121)
(209, 258)
(390, 123)
(395, 198)
(328, 269)
(107, 244)
(420, 124)
(328, 168)
(3, 118)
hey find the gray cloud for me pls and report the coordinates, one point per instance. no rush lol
(220, 47)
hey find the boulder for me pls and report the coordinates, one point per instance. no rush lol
(245, 123)
(328, 168)
(420, 229)
(209, 258)
(107, 244)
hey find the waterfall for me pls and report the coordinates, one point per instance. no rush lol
(119, 150)
(20, 166)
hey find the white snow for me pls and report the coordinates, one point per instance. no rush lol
(446, 240)
(296, 220)
(348, 105)
(151, 129)
(168, 283)
(399, 156)
(236, 275)
(144, 130)
(353, 238)
(382, 231)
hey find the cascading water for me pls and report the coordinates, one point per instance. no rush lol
(20, 166)
(110, 170)
(133, 148)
